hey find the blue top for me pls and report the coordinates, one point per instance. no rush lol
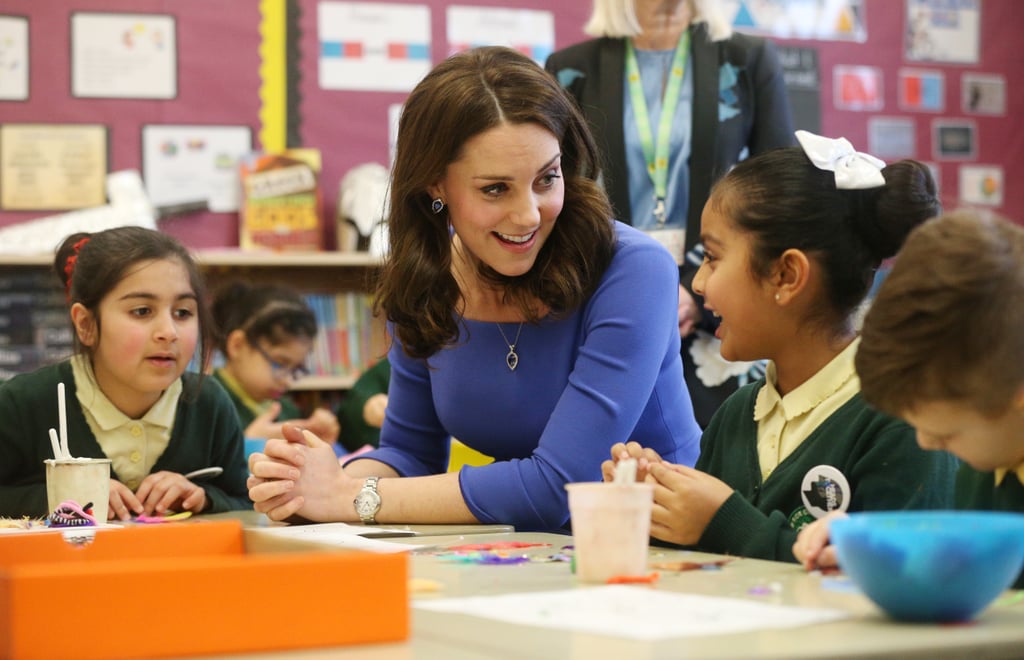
(608, 372)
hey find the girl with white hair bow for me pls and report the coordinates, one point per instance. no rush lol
(792, 240)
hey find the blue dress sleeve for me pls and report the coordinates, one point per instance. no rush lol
(609, 372)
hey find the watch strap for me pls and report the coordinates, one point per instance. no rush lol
(369, 490)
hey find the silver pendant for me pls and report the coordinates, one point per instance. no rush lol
(512, 360)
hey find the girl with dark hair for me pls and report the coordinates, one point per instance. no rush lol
(792, 240)
(138, 314)
(265, 334)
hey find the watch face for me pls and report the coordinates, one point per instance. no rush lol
(367, 502)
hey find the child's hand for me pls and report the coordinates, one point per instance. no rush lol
(644, 458)
(122, 502)
(689, 312)
(685, 501)
(263, 425)
(163, 492)
(373, 410)
(812, 548)
(323, 424)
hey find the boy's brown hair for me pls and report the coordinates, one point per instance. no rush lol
(948, 321)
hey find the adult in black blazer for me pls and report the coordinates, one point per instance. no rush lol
(756, 118)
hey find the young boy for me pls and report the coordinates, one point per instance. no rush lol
(942, 347)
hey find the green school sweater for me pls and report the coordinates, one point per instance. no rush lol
(978, 490)
(877, 454)
(355, 432)
(206, 433)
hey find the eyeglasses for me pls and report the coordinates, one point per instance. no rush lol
(280, 370)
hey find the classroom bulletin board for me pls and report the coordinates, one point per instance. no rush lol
(256, 65)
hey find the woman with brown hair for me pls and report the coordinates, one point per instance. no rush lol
(526, 322)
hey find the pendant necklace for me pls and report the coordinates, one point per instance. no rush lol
(512, 358)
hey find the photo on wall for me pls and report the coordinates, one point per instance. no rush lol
(943, 31)
(953, 140)
(983, 94)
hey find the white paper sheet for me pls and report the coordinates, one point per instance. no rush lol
(13, 58)
(373, 46)
(633, 612)
(128, 56)
(343, 535)
(184, 164)
(531, 32)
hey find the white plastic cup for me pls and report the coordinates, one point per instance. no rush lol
(611, 528)
(83, 480)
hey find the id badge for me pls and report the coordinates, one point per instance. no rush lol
(674, 241)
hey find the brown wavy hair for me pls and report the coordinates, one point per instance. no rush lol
(462, 97)
(946, 323)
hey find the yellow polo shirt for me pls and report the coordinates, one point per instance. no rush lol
(1001, 473)
(132, 445)
(255, 407)
(783, 422)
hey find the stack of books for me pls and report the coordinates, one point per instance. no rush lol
(35, 326)
(349, 338)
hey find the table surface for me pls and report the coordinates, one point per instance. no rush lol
(998, 632)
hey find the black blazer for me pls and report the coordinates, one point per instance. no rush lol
(593, 72)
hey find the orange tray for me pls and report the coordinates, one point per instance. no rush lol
(190, 588)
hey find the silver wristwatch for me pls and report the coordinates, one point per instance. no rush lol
(367, 502)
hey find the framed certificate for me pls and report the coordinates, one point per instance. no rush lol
(52, 166)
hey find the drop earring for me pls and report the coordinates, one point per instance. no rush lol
(777, 297)
(437, 205)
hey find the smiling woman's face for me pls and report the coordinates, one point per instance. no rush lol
(504, 195)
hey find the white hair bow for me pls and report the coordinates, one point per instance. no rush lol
(854, 170)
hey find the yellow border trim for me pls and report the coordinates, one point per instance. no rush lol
(273, 76)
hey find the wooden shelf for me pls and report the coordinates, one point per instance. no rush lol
(26, 259)
(239, 258)
(323, 383)
(255, 259)
(307, 272)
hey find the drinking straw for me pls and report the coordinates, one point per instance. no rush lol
(625, 471)
(55, 443)
(63, 419)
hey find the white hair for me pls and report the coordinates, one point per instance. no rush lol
(617, 18)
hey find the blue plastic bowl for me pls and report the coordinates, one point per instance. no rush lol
(931, 565)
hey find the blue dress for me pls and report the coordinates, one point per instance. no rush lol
(608, 372)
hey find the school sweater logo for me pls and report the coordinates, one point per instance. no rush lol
(825, 489)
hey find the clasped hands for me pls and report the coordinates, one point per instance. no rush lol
(685, 499)
(299, 475)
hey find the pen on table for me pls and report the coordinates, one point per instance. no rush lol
(205, 473)
(389, 534)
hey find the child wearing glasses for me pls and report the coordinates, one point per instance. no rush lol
(264, 334)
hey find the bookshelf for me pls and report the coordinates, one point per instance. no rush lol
(307, 272)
